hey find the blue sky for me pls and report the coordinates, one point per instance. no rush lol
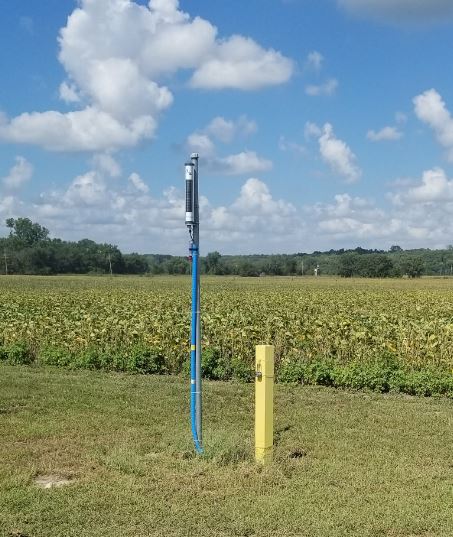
(320, 123)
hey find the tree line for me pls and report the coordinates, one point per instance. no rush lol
(29, 250)
(359, 262)
(346, 264)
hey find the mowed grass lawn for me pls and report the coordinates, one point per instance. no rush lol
(346, 464)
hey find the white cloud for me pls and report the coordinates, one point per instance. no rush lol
(107, 164)
(432, 110)
(86, 130)
(244, 163)
(351, 217)
(116, 53)
(198, 142)
(314, 61)
(240, 63)
(293, 147)
(87, 189)
(328, 88)
(337, 154)
(400, 11)
(255, 195)
(19, 174)
(8, 206)
(226, 130)
(123, 212)
(255, 221)
(68, 93)
(386, 133)
(312, 130)
(421, 215)
(222, 130)
(434, 187)
(138, 183)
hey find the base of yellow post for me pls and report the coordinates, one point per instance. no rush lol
(264, 455)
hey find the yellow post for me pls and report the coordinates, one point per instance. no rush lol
(264, 403)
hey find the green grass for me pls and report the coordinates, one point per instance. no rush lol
(369, 465)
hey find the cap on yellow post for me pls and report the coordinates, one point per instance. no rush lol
(264, 403)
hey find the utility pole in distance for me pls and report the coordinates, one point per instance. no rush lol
(5, 257)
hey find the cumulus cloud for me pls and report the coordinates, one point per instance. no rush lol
(328, 88)
(19, 174)
(349, 217)
(87, 189)
(198, 142)
(244, 163)
(124, 212)
(425, 208)
(400, 11)
(255, 221)
(222, 130)
(386, 133)
(89, 130)
(311, 130)
(434, 187)
(432, 110)
(68, 93)
(337, 154)
(226, 131)
(420, 214)
(116, 54)
(138, 183)
(255, 195)
(240, 63)
(107, 164)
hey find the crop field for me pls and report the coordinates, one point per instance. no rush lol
(354, 333)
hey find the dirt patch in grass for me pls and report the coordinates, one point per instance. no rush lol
(50, 481)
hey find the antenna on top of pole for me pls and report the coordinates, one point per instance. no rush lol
(193, 224)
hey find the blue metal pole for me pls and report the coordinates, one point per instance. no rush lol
(193, 347)
(196, 239)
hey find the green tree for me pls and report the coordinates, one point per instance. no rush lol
(212, 262)
(376, 266)
(135, 264)
(412, 266)
(26, 233)
(348, 265)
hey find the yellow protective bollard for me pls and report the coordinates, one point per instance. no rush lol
(264, 403)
